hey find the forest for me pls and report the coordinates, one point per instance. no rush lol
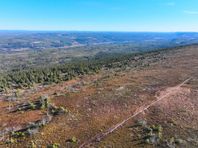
(45, 75)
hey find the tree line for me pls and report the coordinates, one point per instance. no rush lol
(24, 78)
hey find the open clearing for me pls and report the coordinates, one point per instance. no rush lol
(96, 103)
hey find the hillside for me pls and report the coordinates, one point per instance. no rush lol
(22, 49)
(154, 92)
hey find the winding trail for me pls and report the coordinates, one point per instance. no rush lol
(100, 136)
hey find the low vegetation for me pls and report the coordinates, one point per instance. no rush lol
(107, 89)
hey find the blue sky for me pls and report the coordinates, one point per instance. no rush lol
(99, 15)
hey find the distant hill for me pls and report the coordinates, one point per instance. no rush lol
(33, 40)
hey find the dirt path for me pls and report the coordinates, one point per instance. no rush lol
(100, 136)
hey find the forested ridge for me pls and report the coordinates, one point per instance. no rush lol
(24, 78)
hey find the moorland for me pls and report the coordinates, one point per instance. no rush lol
(87, 89)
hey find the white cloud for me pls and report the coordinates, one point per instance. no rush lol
(191, 12)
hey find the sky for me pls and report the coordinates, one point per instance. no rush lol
(100, 15)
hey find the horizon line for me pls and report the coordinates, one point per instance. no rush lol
(130, 31)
